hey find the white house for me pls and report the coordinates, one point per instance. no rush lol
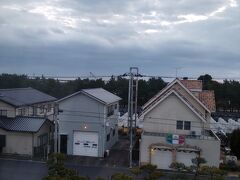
(88, 122)
(176, 126)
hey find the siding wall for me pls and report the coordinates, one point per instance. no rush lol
(79, 112)
(210, 148)
(10, 109)
(164, 116)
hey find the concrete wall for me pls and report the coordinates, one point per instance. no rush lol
(210, 149)
(82, 113)
(163, 118)
(18, 143)
(10, 109)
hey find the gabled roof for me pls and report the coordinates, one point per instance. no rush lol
(98, 94)
(22, 124)
(182, 99)
(167, 88)
(24, 96)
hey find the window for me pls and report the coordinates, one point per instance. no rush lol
(113, 132)
(187, 125)
(2, 141)
(49, 107)
(184, 125)
(110, 110)
(43, 139)
(21, 111)
(179, 124)
(3, 112)
(42, 109)
(108, 137)
(115, 106)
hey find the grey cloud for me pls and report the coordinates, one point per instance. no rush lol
(100, 40)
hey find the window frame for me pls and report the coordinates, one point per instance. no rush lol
(108, 137)
(188, 128)
(178, 125)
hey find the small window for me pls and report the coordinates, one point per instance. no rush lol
(49, 107)
(115, 106)
(110, 110)
(43, 139)
(42, 109)
(3, 112)
(113, 132)
(108, 137)
(179, 124)
(187, 125)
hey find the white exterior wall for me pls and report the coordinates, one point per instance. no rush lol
(210, 149)
(164, 116)
(18, 143)
(10, 109)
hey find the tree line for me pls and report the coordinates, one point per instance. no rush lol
(227, 93)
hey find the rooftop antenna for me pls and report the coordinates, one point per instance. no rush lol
(177, 69)
(92, 75)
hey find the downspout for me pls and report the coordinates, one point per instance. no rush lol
(32, 145)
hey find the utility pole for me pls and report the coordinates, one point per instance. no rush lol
(132, 105)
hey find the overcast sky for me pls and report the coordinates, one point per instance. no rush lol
(75, 37)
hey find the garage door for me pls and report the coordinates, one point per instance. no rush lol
(85, 143)
(161, 158)
(186, 157)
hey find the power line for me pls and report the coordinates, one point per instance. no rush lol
(74, 77)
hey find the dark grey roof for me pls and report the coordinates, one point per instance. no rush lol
(24, 96)
(102, 95)
(22, 124)
(99, 94)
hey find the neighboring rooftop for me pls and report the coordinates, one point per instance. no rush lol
(24, 96)
(102, 95)
(207, 97)
(192, 84)
(99, 94)
(22, 124)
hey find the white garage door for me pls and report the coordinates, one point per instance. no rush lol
(85, 143)
(186, 157)
(161, 158)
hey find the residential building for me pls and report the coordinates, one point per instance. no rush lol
(176, 126)
(88, 122)
(25, 121)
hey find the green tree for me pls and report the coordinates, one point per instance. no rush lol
(235, 142)
(121, 176)
(196, 165)
(151, 171)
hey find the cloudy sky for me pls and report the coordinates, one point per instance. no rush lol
(75, 37)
